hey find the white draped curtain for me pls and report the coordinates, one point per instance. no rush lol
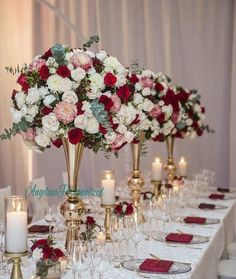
(194, 42)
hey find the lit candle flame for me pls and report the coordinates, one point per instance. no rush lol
(158, 160)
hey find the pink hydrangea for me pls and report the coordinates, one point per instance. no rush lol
(37, 64)
(147, 82)
(81, 60)
(65, 112)
(116, 103)
(29, 134)
(155, 111)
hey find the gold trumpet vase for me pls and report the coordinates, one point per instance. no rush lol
(170, 167)
(136, 180)
(72, 208)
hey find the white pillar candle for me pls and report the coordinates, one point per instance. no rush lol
(16, 231)
(108, 194)
(157, 169)
(182, 166)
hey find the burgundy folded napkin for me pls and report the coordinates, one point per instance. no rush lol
(216, 196)
(39, 229)
(179, 237)
(156, 265)
(195, 220)
(206, 206)
(223, 190)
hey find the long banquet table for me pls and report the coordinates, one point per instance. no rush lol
(204, 259)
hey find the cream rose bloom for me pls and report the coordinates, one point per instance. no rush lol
(33, 96)
(92, 126)
(42, 140)
(81, 121)
(50, 122)
(70, 97)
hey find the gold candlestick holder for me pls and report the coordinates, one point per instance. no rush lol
(16, 260)
(107, 221)
(156, 188)
(170, 167)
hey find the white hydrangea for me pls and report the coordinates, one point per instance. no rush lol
(16, 115)
(147, 105)
(50, 122)
(92, 126)
(78, 74)
(51, 62)
(70, 97)
(49, 99)
(43, 91)
(20, 99)
(146, 91)
(33, 96)
(81, 121)
(33, 110)
(66, 85)
(111, 63)
(97, 82)
(101, 55)
(167, 128)
(37, 254)
(148, 73)
(42, 140)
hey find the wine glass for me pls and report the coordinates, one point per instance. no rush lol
(137, 236)
(117, 235)
(102, 263)
(91, 250)
(128, 225)
(50, 217)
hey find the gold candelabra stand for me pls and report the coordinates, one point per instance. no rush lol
(72, 208)
(107, 221)
(16, 260)
(170, 167)
(156, 188)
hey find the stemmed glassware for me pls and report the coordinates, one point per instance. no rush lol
(117, 234)
(50, 217)
(102, 262)
(137, 236)
(128, 226)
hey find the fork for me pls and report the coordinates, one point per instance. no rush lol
(141, 275)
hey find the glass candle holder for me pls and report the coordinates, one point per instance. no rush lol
(108, 185)
(15, 224)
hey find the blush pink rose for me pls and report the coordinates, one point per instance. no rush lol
(37, 64)
(116, 103)
(65, 112)
(147, 82)
(29, 134)
(118, 142)
(82, 60)
(175, 117)
(155, 112)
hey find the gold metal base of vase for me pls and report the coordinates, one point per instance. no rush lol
(156, 188)
(72, 209)
(170, 168)
(107, 221)
(16, 260)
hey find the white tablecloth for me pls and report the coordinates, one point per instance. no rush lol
(203, 261)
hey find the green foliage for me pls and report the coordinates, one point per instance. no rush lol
(144, 151)
(93, 39)
(16, 128)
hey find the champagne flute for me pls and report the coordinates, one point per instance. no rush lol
(117, 235)
(50, 217)
(137, 237)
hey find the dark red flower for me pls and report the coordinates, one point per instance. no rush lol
(133, 78)
(75, 135)
(63, 71)
(203, 109)
(199, 132)
(118, 209)
(90, 220)
(14, 92)
(178, 134)
(22, 80)
(159, 137)
(46, 110)
(135, 140)
(169, 186)
(123, 93)
(183, 96)
(129, 209)
(58, 253)
(47, 54)
(161, 117)
(47, 252)
(113, 125)
(136, 120)
(170, 98)
(44, 72)
(39, 244)
(110, 79)
(102, 129)
(57, 142)
(158, 87)
(79, 108)
(195, 125)
(108, 103)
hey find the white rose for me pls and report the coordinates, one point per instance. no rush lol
(43, 91)
(42, 140)
(91, 71)
(193, 135)
(49, 99)
(16, 115)
(90, 53)
(148, 73)
(54, 83)
(161, 103)
(145, 124)
(92, 126)
(33, 110)
(37, 254)
(189, 121)
(101, 55)
(168, 110)
(138, 86)
(86, 107)
(138, 99)
(111, 63)
(66, 85)
(29, 118)
(50, 122)
(148, 105)
(94, 93)
(20, 99)
(127, 114)
(129, 136)
(81, 121)
(78, 74)
(70, 66)
(197, 108)
(70, 97)
(167, 128)
(33, 96)
(121, 80)
(97, 81)
(146, 91)
(110, 137)
(121, 129)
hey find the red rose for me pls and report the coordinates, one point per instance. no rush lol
(57, 142)
(135, 140)
(133, 79)
(79, 108)
(158, 87)
(39, 244)
(63, 71)
(75, 135)
(47, 252)
(58, 253)
(159, 137)
(136, 120)
(199, 132)
(90, 220)
(123, 93)
(108, 103)
(170, 98)
(183, 96)
(118, 209)
(178, 134)
(203, 109)
(22, 80)
(161, 117)
(129, 209)
(44, 72)
(46, 110)
(47, 54)
(102, 129)
(110, 79)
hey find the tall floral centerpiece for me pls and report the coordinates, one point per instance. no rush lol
(157, 118)
(75, 98)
